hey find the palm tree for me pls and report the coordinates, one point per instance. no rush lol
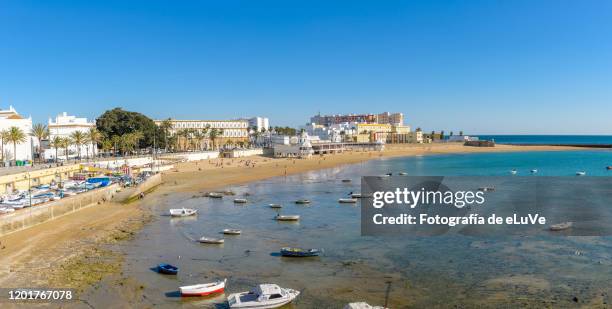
(214, 134)
(65, 143)
(41, 132)
(78, 138)
(56, 142)
(16, 136)
(4, 137)
(93, 137)
(107, 144)
(135, 138)
(116, 140)
(165, 126)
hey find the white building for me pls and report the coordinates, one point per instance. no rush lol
(260, 123)
(333, 133)
(10, 118)
(64, 126)
(293, 147)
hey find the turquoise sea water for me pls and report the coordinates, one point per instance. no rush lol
(550, 139)
(441, 272)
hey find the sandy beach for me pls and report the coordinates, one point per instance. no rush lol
(72, 251)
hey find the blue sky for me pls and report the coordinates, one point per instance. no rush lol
(479, 66)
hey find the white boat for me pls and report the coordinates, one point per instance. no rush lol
(533, 171)
(215, 194)
(580, 173)
(240, 200)
(347, 200)
(356, 195)
(561, 226)
(287, 217)
(183, 212)
(362, 305)
(264, 296)
(211, 240)
(302, 201)
(513, 172)
(402, 173)
(232, 232)
(276, 206)
(203, 289)
(6, 210)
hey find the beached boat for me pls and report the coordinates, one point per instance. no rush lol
(302, 201)
(299, 252)
(287, 217)
(211, 240)
(264, 296)
(276, 206)
(561, 226)
(232, 232)
(580, 173)
(362, 305)
(100, 181)
(203, 289)
(6, 210)
(215, 194)
(240, 200)
(183, 212)
(347, 200)
(167, 269)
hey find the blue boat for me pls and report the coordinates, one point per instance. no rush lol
(167, 269)
(102, 181)
(299, 252)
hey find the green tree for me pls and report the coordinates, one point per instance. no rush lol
(107, 144)
(93, 137)
(213, 135)
(117, 122)
(4, 136)
(65, 143)
(56, 142)
(78, 138)
(16, 136)
(41, 132)
(165, 127)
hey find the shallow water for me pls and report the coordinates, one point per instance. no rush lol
(402, 272)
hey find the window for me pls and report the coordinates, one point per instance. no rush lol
(274, 296)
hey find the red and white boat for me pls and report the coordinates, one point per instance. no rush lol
(203, 289)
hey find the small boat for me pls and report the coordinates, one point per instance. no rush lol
(346, 180)
(362, 305)
(215, 195)
(534, 171)
(402, 173)
(486, 189)
(211, 240)
(167, 269)
(264, 296)
(302, 201)
(240, 200)
(347, 200)
(299, 252)
(513, 172)
(609, 167)
(389, 174)
(276, 206)
(287, 217)
(561, 226)
(232, 232)
(203, 289)
(6, 210)
(99, 181)
(356, 195)
(183, 212)
(580, 173)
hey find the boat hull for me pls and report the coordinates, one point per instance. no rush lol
(199, 294)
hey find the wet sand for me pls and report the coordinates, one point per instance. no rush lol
(73, 251)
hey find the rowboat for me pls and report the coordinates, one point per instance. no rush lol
(240, 200)
(287, 217)
(183, 212)
(215, 194)
(561, 226)
(299, 252)
(203, 289)
(347, 200)
(302, 201)
(167, 269)
(232, 232)
(211, 240)
(264, 296)
(362, 305)
(580, 173)
(276, 206)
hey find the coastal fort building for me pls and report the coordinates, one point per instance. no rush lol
(64, 126)
(10, 118)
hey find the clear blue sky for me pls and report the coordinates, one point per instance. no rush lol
(479, 66)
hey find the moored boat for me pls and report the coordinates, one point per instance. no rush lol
(346, 180)
(356, 195)
(287, 217)
(561, 226)
(211, 240)
(262, 297)
(232, 232)
(533, 171)
(402, 173)
(240, 200)
(609, 167)
(183, 212)
(214, 194)
(276, 206)
(580, 173)
(347, 200)
(513, 172)
(203, 289)
(299, 252)
(302, 201)
(167, 269)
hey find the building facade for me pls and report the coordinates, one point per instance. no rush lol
(259, 123)
(10, 118)
(232, 131)
(64, 126)
(395, 119)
